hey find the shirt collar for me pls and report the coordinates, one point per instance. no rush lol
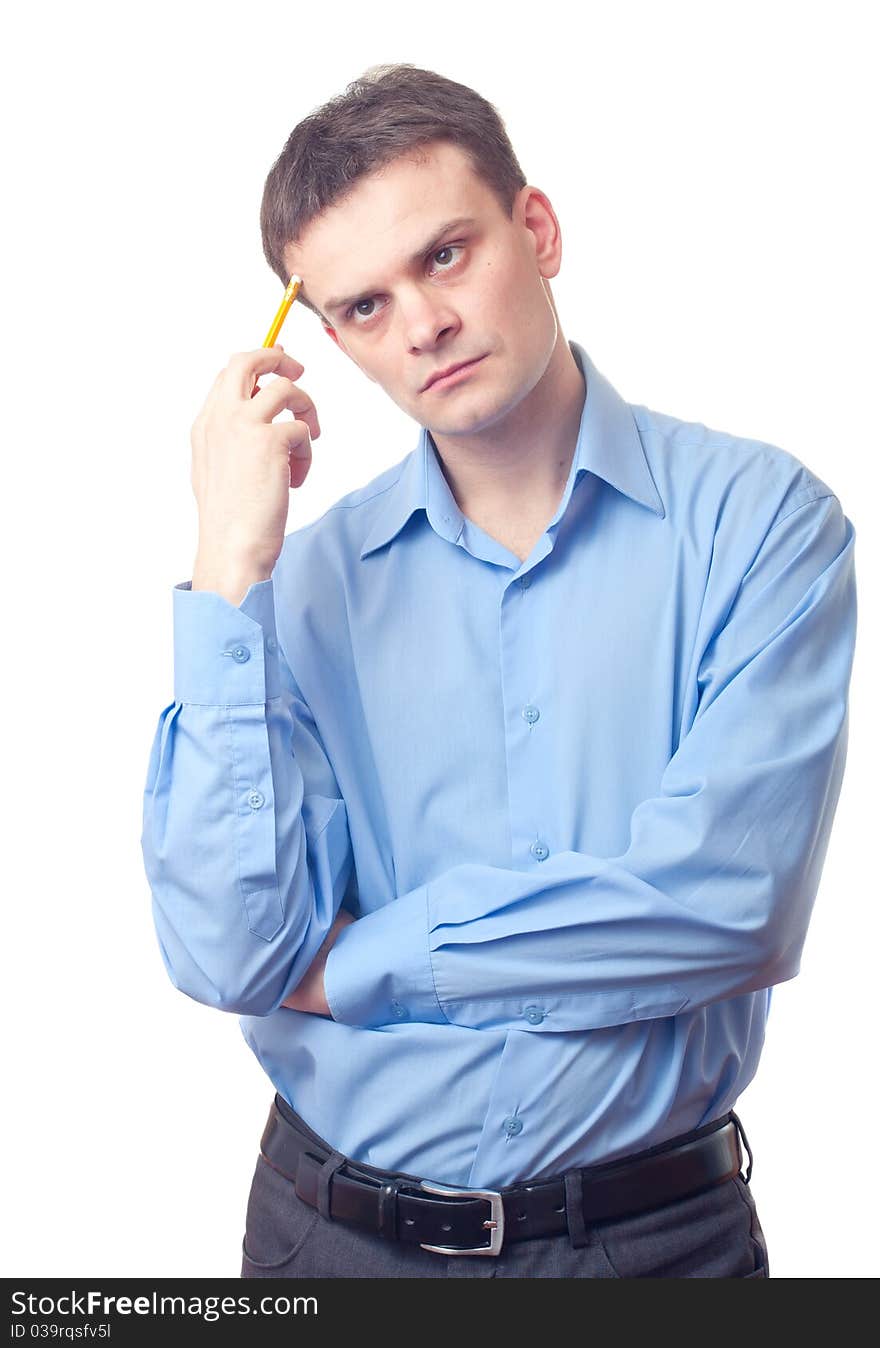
(608, 445)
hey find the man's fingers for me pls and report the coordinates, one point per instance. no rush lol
(245, 367)
(279, 394)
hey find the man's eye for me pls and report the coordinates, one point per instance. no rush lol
(447, 249)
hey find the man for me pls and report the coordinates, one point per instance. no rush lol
(495, 800)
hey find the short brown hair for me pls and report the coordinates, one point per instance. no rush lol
(386, 112)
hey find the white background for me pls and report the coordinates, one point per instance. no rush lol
(713, 169)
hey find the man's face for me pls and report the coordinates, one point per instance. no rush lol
(405, 297)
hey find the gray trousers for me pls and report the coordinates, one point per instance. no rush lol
(712, 1234)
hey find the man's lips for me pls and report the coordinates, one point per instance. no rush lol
(450, 369)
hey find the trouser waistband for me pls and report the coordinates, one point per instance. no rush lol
(453, 1220)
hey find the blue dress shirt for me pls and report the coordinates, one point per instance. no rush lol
(579, 804)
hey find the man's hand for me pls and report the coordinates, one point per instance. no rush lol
(309, 993)
(244, 464)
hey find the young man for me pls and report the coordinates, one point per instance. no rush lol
(495, 801)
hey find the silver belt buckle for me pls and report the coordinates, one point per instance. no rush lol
(495, 1223)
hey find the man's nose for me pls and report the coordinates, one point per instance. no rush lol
(425, 319)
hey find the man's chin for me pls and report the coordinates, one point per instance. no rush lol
(466, 423)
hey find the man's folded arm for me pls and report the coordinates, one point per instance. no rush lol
(713, 896)
(245, 833)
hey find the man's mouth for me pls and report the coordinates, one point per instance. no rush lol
(450, 374)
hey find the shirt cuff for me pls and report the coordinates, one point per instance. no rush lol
(223, 655)
(378, 971)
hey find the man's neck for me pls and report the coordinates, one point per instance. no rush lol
(520, 467)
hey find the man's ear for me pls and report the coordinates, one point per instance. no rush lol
(331, 332)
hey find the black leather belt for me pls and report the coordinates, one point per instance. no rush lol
(450, 1220)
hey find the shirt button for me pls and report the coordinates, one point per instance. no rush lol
(512, 1126)
(540, 851)
(400, 1011)
(240, 654)
(271, 644)
(531, 714)
(256, 799)
(534, 1015)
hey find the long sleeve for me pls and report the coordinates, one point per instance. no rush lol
(245, 833)
(713, 897)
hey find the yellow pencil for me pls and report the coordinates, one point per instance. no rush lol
(290, 295)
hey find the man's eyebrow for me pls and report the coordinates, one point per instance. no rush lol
(434, 242)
